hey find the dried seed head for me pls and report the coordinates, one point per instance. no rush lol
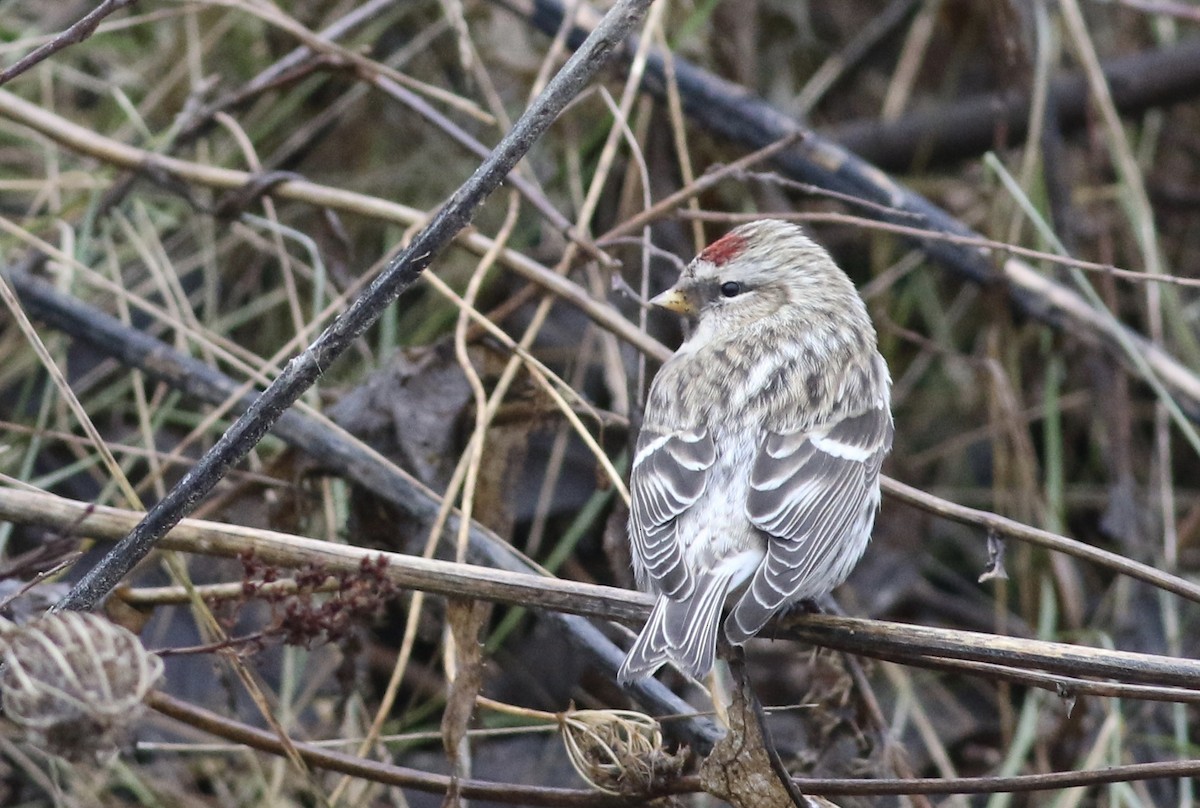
(618, 751)
(75, 683)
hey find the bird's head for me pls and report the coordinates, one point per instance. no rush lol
(757, 270)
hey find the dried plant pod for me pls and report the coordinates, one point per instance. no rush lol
(618, 751)
(75, 683)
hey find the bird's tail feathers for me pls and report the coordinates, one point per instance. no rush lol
(756, 606)
(649, 650)
(680, 631)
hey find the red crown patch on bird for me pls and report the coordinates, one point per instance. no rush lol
(724, 249)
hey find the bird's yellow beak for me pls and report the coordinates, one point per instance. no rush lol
(676, 300)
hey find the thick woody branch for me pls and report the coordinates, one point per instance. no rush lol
(969, 127)
(873, 638)
(344, 454)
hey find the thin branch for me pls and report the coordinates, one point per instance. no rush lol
(999, 247)
(320, 757)
(710, 179)
(83, 28)
(1023, 783)
(167, 170)
(1066, 687)
(386, 773)
(285, 66)
(881, 638)
(1010, 528)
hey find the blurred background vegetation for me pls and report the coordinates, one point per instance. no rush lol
(986, 109)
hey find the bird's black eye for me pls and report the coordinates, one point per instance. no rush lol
(731, 289)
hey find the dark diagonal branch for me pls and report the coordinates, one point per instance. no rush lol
(83, 28)
(399, 275)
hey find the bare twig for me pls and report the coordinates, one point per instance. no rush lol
(1002, 248)
(882, 639)
(668, 206)
(83, 28)
(998, 785)
(1066, 687)
(1011, 528)
(534, 795)
(285, 66)
(388, 773)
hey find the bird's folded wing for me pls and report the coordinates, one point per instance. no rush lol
(670, 473)
(809, 491)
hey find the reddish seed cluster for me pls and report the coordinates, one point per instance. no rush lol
(305, 616)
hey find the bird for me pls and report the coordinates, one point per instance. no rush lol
(755, 477)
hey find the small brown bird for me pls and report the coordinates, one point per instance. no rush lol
(757, 467)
